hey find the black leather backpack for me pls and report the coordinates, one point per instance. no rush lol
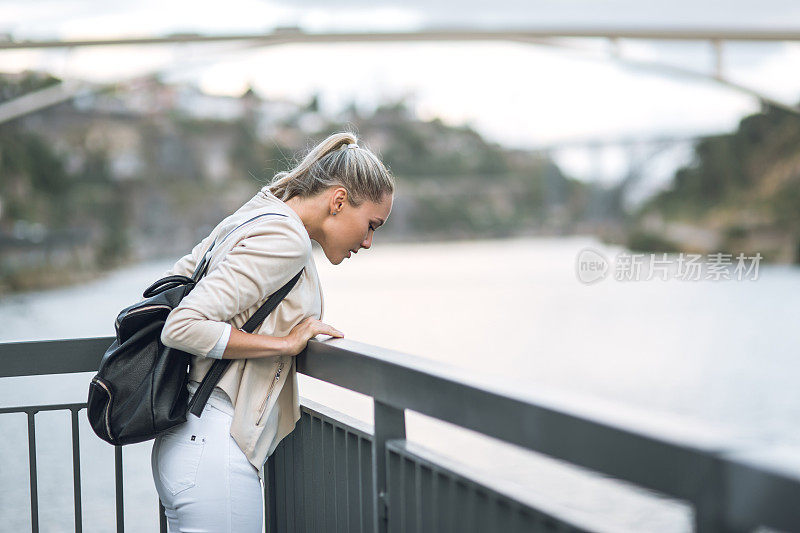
(140, 389)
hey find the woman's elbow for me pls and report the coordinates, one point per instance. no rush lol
(168, 337)
(176, 331)
(189, 333)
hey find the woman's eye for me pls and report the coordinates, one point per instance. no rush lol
(370, 227)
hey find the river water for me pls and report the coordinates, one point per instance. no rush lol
(717, 356)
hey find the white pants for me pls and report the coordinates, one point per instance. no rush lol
(203, 478)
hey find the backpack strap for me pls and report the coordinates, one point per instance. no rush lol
(214, 374)
(202, 265)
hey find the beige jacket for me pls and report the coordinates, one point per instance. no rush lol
(249, 265)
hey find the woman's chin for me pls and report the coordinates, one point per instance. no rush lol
(336, 260)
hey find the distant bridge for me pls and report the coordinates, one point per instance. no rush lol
(537, 36)
(296, 35)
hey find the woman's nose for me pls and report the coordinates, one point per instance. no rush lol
(366, 243)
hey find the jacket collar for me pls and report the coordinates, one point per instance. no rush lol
(271, 199)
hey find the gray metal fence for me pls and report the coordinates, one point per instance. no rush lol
(334, 473)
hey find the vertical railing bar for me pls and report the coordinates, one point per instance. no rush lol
(452, 500)
(441, 500)
(314, 474)
(320, 454)
(494, 509)
(283, 481)
(162, 517)
(517, 517)
(270, 496)
(298, 505)
(402, 490)
(297, 471)
(418, 491)
(347, 478)
(472, 495)
(308, 473)
(312, 511)
(335, 477)
(265, 497)
(463, 504)
(76, 470)
(323, 496)
(281, 484)
(118, 489)
(32, 472)
(288, 478)
(435, 498)
(295, 461)
(265, 500)
(360, 491)
(290, 492)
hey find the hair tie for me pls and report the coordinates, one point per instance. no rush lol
(351, 145)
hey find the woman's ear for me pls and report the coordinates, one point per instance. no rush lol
(337, 199)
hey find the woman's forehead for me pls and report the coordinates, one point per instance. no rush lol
(382, 209)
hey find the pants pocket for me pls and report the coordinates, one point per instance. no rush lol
(179, 459)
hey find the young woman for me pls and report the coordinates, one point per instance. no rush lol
(207, 471)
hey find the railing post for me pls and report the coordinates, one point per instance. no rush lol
(709, 505)
(390, 423)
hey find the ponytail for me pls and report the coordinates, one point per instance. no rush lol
(337, 160)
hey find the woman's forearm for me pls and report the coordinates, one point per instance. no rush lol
(242, 345)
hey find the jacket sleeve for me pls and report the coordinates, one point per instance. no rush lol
(259, 264)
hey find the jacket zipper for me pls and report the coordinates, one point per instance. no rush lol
(108, 421)
(269, 393)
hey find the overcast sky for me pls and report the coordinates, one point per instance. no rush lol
(519, 95)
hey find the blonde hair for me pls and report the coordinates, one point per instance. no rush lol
(333, 162)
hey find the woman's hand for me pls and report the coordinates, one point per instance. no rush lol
(299, 336)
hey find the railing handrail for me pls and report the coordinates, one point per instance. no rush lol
(59, 356)
(700, 468)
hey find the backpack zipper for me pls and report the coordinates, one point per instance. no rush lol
(139, 310)
(108, 391)
(269, 393)
(148, 307)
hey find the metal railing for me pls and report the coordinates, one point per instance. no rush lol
(334, 473)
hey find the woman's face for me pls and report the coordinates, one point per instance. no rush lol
(352, 228)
